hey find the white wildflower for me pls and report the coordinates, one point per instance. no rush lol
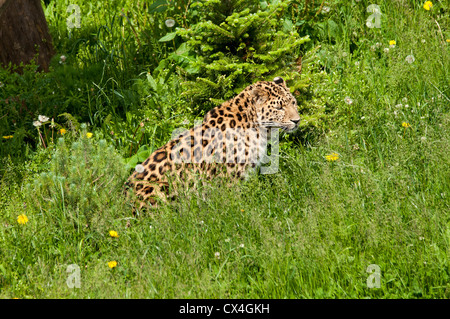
(170, 23)
(139, 168)
(410, 59)
(37, 123)
(43, 118)
(348, 100)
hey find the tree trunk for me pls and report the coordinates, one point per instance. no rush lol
(24, 33)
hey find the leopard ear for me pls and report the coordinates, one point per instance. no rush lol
(279, 80)
(259, 95)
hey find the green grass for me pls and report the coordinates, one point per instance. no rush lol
(309, 231)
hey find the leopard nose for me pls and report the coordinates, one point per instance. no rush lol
(295, 121)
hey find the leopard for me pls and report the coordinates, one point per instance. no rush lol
(231, 141)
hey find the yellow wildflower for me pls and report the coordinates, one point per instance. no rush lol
(113, 234)
(89, 135)
(62, 131)
(448, 40)
(112, 264)
(406, 124)
(392, 42)
(8, 137)
(22, 219)
(427, 5)
(332, 157)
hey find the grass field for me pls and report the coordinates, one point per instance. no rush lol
(314, 229)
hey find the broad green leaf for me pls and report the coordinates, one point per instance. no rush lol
(168, 37)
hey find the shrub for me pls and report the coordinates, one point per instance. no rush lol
(234, 44)
(80, 185)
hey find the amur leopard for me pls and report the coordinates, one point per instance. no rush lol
(231, 141)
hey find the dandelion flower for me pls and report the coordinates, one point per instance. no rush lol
(43, 118)
(170, 23)
(410, 59)
(89, 135)
(37, 123)
(113, 234)
(332, 157)
(427, 5)
(406, 124)
(392, 43)
(22, 219)
(112, 264)
(448, 40)
(62, 131)
(139, 168)
(8, 137)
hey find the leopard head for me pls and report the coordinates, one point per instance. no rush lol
(275, 105)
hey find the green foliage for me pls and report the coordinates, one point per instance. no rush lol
(234, 44)
(81, 180)
(308, 231)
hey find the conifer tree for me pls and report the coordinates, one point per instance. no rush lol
(234, 44)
